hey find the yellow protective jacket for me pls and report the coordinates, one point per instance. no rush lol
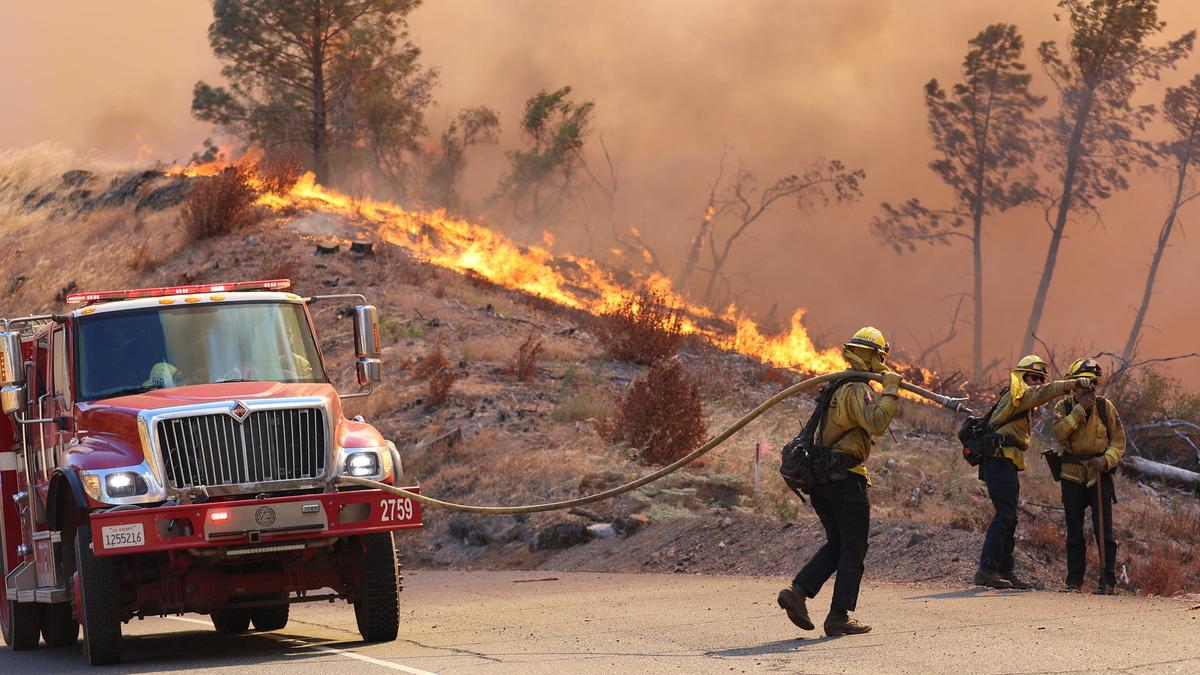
(1084, 435)
(856, 406)
(1018, 431)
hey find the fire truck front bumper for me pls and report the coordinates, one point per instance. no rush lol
(252, 526)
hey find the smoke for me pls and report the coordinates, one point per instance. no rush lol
(675, 81)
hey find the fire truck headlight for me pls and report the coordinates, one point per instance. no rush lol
(124, 484)
(361, 464)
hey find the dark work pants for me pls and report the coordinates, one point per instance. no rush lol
(845, 513)
(1004, 488)
(1076, 498)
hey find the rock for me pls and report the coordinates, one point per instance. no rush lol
(602, 530)
(560, 536)
(726, 522)
(63, 292)
(76, 177)
(586, 513)
(329, 282)
(631, 524)
(917, 538)
(166, 196)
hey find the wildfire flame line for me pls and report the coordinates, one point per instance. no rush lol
(461, 245)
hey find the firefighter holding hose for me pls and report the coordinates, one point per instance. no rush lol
(1093, 442)
(855, 414)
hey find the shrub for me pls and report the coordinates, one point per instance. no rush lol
(524, 362)
(278, 266)
(440, 384)
(644, 328)
(140, 259)
(279, 173)
(1159, 573)
(220, 204)
(1148, 396)
(660, 413)
(433, 363)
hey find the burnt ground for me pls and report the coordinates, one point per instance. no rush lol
(499, 440)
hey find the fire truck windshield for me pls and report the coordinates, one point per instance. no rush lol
(123, 353)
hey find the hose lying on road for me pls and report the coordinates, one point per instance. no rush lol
(954, 404)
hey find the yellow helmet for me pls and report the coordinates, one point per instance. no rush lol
(1031, 364)
(1084, 367)
(870, 338)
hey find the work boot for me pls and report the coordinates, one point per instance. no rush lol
(792, 602)
(986, 576)
(1015, 581)
(1071, 588)
(841, 623)
(1104, 589)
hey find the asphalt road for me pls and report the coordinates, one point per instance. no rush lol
(551, 622)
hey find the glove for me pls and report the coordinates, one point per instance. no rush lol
(1098, 464)
(1086, 399)
(891, 383)
(1084, 384)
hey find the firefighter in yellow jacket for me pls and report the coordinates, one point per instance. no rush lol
(1011, 421)
(1093, 442)
(856, 414)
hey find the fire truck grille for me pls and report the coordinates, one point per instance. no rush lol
(266, 446)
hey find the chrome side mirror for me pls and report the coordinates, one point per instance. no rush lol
(12, 370)
(12, 373)
(369, 366)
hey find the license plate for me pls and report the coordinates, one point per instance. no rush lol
(122, 536)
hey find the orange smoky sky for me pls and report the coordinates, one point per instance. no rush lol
(675, 81)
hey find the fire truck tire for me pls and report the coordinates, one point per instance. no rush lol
(59, 627)
(274, 617)
(21, 625)
(99, 610)
(231, 621)
(377, 607)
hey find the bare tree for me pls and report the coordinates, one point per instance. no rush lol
(983, 132)
(1181, 108)
(1091, 140)
(696, 247)
(745, 202)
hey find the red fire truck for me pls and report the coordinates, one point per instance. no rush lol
(173, 450)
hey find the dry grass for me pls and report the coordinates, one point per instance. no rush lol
(660, 414)
(525, 360)
(278, 267)
(221, 204)
(644, 328)
(583, 406)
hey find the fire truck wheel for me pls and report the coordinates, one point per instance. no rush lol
(21, 624)
(59, 627)
(99, 610)
(377, 607)
(274, 617)
(231, 621)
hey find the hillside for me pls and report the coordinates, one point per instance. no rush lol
(498, 440)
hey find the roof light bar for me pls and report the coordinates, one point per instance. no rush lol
(130, 294)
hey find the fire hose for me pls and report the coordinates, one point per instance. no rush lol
(954, 404)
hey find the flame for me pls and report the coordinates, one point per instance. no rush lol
(571, 281)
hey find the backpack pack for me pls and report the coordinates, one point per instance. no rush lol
(805, 461)
(979, 438)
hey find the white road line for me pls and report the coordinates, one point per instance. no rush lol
(327, 650)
